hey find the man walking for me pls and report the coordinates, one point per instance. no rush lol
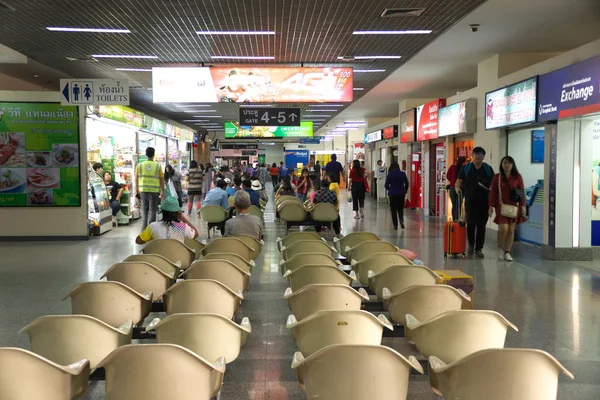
(150, 184)
(334, 169)
(476, 176)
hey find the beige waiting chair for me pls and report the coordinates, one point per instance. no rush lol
(202, 296)
(301, 259)
(173, 250)
(209, 335)
(424, 302)
(111, 302)
(214, 216)
(253, 210)
(307, 246)
(282, 199)
(66, 339)
(223, 271)
(294, 237)
(158, 261)
(141, 277)
(324, 212)
(194, 245)
(498, 374)
(161, 371)
(398, 277)
(292, 211)
(328, 327)
(229, 245)
(351, 240)
(255, 245)
(25, 375)
(376, 263)
(319, 297)
(456, 334)
(242, 263)
(355, 372)
(311, 274)
(368, 247)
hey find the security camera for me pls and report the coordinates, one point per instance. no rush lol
(474, 27)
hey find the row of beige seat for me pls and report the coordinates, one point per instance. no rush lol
(465, 348)
(195, 340)
(293, 213)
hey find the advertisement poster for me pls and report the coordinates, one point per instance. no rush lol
(234, 131)
(512, 105)
(122, 114)
(255, 85)
(39, 155)
(427, 120)
(452, 119)
(359, 151)
(596, 183)
(296, 158)
(407, 126)
(570, 91)
(537, 146)
(390, 132)
(373, 137)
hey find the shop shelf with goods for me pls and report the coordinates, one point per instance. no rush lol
(99, 212)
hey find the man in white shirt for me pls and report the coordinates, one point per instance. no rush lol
(243, 224)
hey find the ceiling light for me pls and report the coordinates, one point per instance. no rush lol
(358, 88)
(369, 70)
(211, 116)
(355, 122)
(243, 57)
(120, 56)
(235, 32)
(327, 105)
(347, 126)
(373, 57)
(202, 111)
(91, 30)
(195, 111)
(333, 110)
(315, 116)
(134, 69)
(191, 105)
(406, 32)
(257, 105)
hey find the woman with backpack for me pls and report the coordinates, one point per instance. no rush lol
(507, 199)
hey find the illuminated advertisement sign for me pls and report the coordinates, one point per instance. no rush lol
(570, 91)
(373, 137)
(512, 105)
(458, 118)
(407, 126)
(390, 132)
(255, 85)
(427, 120)
(234, 131)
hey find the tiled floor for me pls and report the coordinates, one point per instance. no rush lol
(556, 305)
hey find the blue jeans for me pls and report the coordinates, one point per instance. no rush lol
(149, 208)
(301, 197)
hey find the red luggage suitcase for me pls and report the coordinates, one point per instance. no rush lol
(455, 236)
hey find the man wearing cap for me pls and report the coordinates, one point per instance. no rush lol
(230, 188)
(217, 196)
(243, 224)
(248, 186)
(150, 183)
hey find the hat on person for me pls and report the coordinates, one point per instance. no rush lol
(227, 181)
(256, 185)
(170, 204)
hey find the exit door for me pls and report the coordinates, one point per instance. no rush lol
(416, 179)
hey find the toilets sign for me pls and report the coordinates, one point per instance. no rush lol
(94, 92)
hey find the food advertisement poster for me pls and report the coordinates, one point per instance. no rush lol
(39, 155)
(427, 120)
(407, 126)
(234, 131)
(255, 85)
(359, 151)
(512, 105)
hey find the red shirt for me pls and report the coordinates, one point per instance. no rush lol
(354, 175)
(452, 174)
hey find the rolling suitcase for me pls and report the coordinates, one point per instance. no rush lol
(455, 236)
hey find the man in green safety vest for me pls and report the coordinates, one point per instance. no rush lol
(150, 185)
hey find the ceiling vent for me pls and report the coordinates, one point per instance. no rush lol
(4, 6)
(351, 59)
(402, 12)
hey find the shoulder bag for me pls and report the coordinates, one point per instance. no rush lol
(506, 210)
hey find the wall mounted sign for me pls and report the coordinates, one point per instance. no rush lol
(458, 118)
(512, 105)
(359, 151)
(373, 137)
(254, 85)
(407, 126)
(234, 131)
(569, 91)
(92, 92)
(313, 140)
(123, 114)
(427, 120)
(269, 117)
(390, 132)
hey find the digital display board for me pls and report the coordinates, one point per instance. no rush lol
(512, 105)
(427, 120)
(234, 131)
(407, 126)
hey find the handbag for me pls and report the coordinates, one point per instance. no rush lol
(506, 210)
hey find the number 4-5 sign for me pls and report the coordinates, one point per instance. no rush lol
(270, 117)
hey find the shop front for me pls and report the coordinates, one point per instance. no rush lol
(572, 152)
(413, 164)
(233, 154)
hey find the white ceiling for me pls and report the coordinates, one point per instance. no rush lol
(449, 64)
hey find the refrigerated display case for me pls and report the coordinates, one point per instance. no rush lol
(99, 211)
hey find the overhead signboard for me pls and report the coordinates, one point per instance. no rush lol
(93, 92)
(238, 146)
(390, 132)
(407, 126)
(253, 85)
(427, 120)
(512, 105)
(570, 91)
(234, 131)
(373, 136)
(312, 140)
(458, 118)
(250, 116)
(126, 115)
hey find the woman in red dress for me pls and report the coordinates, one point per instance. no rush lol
(512, 191)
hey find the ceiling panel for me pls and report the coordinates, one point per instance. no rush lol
(309, 32)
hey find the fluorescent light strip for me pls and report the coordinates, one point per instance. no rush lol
(374, 57)
(196, 111)
(90, 30)
(355, 122)
(205, 111)
(358, 88)
(327, 105)
(347, 127)
(120, 56)
(257, 105)
(369, 70)
(320, 110)
(191, 105)
(235, 32)
(315, 116)
(243, 57)
(405, 32)
(133, 69)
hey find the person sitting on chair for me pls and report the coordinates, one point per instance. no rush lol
(217, 196)
(174, 225)
(243, 224)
